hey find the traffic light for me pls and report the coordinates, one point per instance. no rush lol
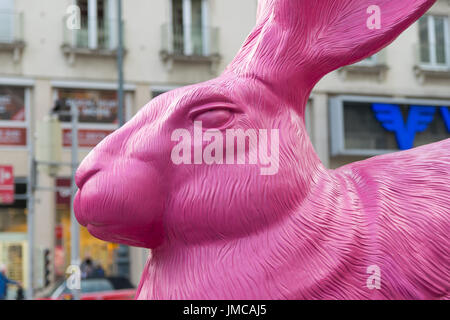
(47, 268)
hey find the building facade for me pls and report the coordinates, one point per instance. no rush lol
(52, 51)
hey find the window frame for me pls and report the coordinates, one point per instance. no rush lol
(10, 10)
(27, 85)
(431, 28)
(188, 42)
(92, 27)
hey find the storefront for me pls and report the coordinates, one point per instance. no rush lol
(100, 251)
(13, 233)
(98, 117)
(368, 126)
(14, 118)
(14, 107)
(98, 114)
(98, 110)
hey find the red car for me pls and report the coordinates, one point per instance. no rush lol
(109, 288)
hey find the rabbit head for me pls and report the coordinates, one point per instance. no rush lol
(132, 191)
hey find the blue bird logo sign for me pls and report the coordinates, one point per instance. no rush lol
(418, 120)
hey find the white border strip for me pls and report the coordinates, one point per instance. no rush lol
(20, 82)
(90, 85)
(165, 88)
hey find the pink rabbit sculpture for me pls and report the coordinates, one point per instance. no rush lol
(375, 229)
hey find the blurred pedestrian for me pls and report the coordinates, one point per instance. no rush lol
(20, 294)
(87, 267)
(98, 271)
(4, 281)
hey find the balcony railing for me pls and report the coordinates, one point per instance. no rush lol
(202, 43)
(11, 27)
(105, 38)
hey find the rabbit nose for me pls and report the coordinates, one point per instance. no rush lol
(84, 175)
(89, 167)
(103, 154)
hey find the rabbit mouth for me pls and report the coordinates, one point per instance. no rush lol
(115, 233)
(127, 225)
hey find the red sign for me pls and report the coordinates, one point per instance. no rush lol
(13, 136)
(59, 232)
(6, 185)
(86, 138)
(63, 195)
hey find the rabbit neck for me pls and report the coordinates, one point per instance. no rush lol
(307, 255)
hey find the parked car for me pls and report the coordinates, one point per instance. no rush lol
(109, 288)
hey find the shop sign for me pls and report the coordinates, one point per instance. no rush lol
(87, 138)
(418, 119)
(6, 185)
(13, 136)
(94, 106)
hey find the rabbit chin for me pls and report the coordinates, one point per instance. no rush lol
(134, 218)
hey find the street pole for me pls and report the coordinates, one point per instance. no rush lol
(120, 64)
(123, 252)
(30, 214)
(75, 228)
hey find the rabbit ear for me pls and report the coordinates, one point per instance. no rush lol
(299, 41)
(262, 4)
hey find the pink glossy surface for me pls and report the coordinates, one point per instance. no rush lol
(227, 232)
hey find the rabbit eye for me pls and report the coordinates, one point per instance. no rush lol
(215, 118)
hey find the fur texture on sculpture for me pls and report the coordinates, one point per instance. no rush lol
(227, 232)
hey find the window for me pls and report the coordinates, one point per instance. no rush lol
(13, 228)
(369, 61)
(13, 116)
(375, 66)
(13, 255)
(6, 21)
(159, 90)
(367, 126)
(95, 106)
(434, 49)
(190, 32)
(378, 59)
(98, 114)
(13, 217)
(98, 24)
